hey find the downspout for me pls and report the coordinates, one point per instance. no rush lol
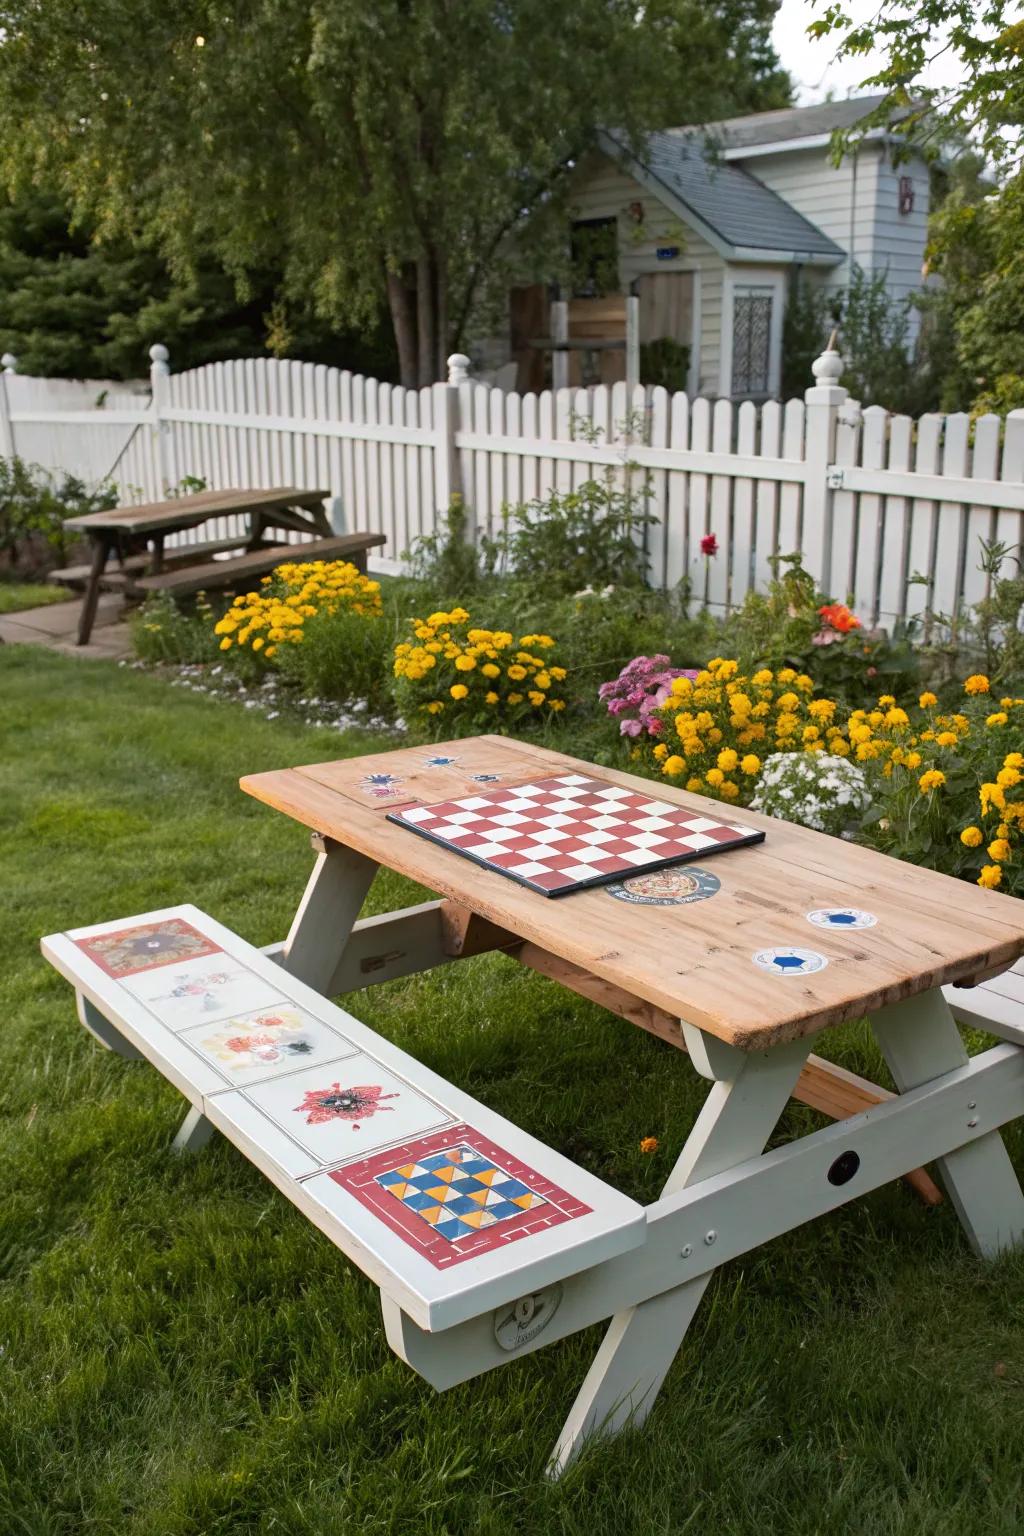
(853, 211)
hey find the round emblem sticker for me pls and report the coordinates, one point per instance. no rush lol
(841, 917)
(666, 887)
(789, 961)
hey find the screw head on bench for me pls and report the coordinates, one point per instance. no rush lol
(709, 1237)
(686, 1250)
(844, 1167)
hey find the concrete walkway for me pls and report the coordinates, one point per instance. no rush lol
(56, 626)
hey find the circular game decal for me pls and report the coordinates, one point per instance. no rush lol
(841, 917)
(666, 887)
(789, 961)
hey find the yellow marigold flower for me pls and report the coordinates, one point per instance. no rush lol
(912, 761)
(886, 699)
(536, 698)
(727, 759)
(946, 739)
(258, 643)
(978, 683)
(464, 663)
(715, 776)
(559, 674)
(225, 644)
(1014, 760)
(434, 707)
(999, 718)
(897, 717)
(932, 779)
(810, 733)
(763, 677)
(491, 698)
(556, 704)
(787, 701)
(750, 764)
(673, 766)
(271, 649)
(972, 837)
(714, 735)
(787, 675)
(542, 681)
(860, 733)
(839, 747)
(1008, 778)
(999, 850)
(695, 785)
(681, 686)
(660, 752)
(516, 673)
(727, 669)
(991, 795)
(804, 683)
(741, 704)
(649, 1144)
(821, 709)
(927, 700)
(1003, 829)
(458, 690)
(729, 790)
(990, 876)
(514, 698)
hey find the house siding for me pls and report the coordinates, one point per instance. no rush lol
(604, 191)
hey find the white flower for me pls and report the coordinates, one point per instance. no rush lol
(825, 793)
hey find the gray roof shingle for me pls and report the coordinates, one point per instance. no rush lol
(741, 210)
(787, 123)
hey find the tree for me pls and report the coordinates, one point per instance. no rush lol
(74, 307)
(390, 151)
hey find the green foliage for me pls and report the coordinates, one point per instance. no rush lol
(807, 323)
(33, 506)
(571, 540)
(344, 656)
(665, 362)
(447, 560)
(179, 633)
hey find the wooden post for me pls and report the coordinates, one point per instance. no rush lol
(559, 337)
(8, 364)
(447, 476)
(159, 373)
(823, 402)
(632, 346)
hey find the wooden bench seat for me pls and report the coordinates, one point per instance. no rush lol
(449, 1208)
(258, 562)
(996, 1005)
(117, 575)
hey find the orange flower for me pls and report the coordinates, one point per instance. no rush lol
(649, 1144)
(838, 616)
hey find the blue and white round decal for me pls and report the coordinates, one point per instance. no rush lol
(842, 917)
(789, 961)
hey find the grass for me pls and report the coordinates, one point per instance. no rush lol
(17, 596)
(182, 1354)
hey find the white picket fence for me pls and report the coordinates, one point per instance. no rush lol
(888, 512)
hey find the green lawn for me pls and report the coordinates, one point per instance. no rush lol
(17, 596)
(182, 1354)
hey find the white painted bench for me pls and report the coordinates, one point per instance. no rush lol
(449, 1208)
(996, 1005)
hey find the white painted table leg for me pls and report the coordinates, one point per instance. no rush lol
(323, 923)
(738, 1117)
(920, 1041)
(102, 1030)
(195, 1132)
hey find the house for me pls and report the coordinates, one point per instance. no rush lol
(709, 228)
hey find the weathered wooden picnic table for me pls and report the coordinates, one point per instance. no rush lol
(130, 530)
(485, 1243)
(701, 970)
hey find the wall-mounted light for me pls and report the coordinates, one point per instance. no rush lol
(636, 212)
(906, 194)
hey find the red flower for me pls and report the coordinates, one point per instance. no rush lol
(709, 544)
(338, 1103)
(837, 616)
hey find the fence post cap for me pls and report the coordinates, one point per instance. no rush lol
(458, 368)
(828, 368)
(9, 363)
(159, 357)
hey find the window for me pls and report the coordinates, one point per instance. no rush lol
(751, 340)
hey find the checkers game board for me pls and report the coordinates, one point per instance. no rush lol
(567, 832)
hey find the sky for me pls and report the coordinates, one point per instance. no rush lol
(812, 63)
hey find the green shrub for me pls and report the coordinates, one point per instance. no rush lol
(181, 634)
(33, 507)
(571, 540)
(344, 656)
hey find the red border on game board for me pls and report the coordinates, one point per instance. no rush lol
(359, 1179)
(118, 974)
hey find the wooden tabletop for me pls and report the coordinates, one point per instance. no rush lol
(186, 511)
(694, 960)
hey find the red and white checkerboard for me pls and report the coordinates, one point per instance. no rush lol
(560, 834)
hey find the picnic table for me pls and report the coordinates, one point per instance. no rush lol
(697, 971)
(137, 535)
(485, 1243)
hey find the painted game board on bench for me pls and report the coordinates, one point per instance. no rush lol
(448, 1207)
(568, 831)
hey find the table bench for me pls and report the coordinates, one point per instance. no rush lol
(446, 1206)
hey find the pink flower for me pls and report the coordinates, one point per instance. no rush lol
(709, 544)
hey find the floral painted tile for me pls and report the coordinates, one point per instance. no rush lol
(213, 987)
(347, 1108)
(147, 946)
(266, 1042)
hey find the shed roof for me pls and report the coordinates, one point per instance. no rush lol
(788, 123)
(740, 215)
